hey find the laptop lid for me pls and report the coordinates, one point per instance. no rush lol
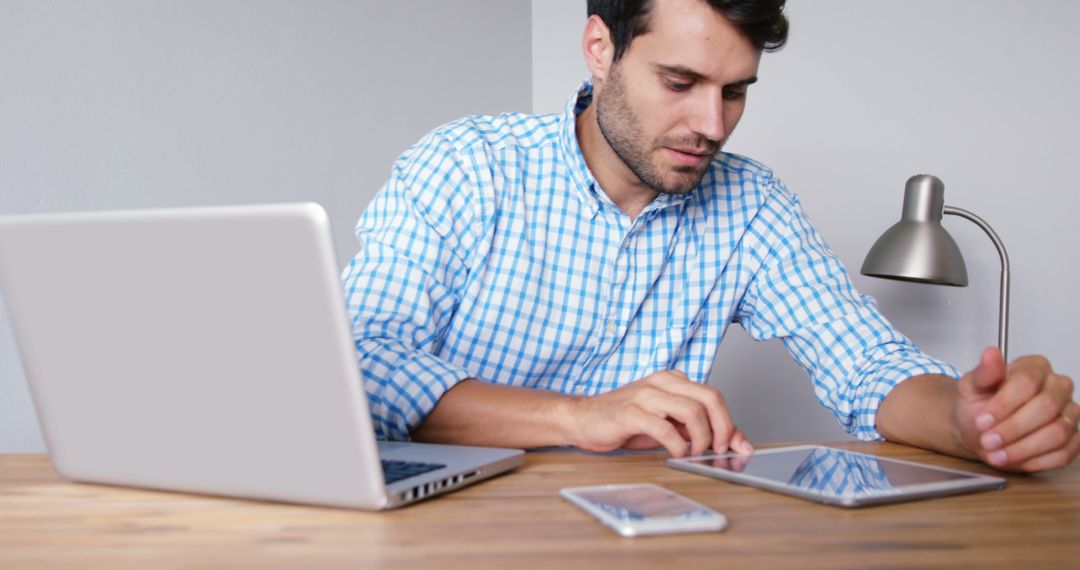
(200, 349)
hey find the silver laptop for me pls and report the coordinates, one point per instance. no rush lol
(207, 350)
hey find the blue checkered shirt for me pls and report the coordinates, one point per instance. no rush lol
(492, 253)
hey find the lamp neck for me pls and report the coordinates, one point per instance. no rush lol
(1003, 301)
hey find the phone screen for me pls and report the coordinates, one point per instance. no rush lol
(644, 502)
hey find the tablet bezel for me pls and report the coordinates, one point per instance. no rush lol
(972, 483)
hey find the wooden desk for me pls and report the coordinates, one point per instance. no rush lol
(518, 520)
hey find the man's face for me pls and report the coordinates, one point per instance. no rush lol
(667, 107)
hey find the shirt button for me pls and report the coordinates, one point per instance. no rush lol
(611, 327)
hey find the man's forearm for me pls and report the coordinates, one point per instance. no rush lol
(477, 413)
(664, 409)
(919, 411)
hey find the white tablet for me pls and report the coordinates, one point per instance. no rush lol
(837, 476)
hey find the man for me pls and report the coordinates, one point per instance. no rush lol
(528, 281)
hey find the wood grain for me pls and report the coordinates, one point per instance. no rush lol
(519, 521)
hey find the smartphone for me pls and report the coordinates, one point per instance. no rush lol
(643, 509)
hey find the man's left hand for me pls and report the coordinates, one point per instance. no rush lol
(1018, 417)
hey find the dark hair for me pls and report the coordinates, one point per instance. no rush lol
(762, 21)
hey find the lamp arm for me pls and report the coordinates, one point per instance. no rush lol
(1003, 301)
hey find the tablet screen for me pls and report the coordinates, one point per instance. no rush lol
(831, 471)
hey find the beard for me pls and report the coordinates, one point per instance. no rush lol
(621, 128)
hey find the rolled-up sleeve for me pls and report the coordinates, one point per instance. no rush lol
(403, 287)
(803, 295)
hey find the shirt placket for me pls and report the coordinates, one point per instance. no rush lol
(609, 328)
(616, 275)
(622, 303)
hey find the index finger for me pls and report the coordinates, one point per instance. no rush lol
(723, 427)
(1039, 410)
(1023, 381)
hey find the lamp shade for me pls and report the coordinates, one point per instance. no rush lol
(917, 248)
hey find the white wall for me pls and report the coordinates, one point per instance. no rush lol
(125, 104)
(981, 93)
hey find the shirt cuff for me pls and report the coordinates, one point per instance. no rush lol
(403, 385)
(888, 376)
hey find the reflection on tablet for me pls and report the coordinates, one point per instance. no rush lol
(841, 473)
(837, 476)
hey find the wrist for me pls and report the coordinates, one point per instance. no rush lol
(964, 441)
(566, 413)
(925, 411)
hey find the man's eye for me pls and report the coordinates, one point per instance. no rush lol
(732, 94)
(678, 85)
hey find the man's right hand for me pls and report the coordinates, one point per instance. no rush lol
(664, 409)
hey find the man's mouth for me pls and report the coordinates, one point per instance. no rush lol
(690, 156)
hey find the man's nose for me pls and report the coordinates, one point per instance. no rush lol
(709, 119)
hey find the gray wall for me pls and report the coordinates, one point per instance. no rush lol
(134, 104)
(130, 104)
(981, 93)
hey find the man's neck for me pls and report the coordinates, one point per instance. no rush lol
(620, 184)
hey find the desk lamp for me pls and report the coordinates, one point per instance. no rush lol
(917, 248)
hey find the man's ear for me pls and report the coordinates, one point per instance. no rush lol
(598, 48)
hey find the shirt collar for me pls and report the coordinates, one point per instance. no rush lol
(587, 190)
